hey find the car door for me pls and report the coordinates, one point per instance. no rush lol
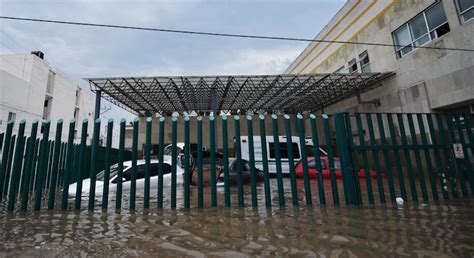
(153, 176)
(127, 177)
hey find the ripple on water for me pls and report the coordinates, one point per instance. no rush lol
(411, 231)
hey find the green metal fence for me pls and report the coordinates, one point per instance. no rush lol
(372, 159)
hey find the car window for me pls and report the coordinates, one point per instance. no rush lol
(284, 150)
(113, 172)
(141, 171)
(127, 175)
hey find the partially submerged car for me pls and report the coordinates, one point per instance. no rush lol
(326, 172)
(233, 178)
(126, 177)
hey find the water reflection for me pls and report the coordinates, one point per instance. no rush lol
(363, 232)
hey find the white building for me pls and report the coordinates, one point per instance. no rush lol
(31, 89)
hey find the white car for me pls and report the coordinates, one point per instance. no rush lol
(126, 178)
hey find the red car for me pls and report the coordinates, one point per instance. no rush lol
(325, 169)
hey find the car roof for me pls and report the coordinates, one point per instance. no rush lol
(166, 159)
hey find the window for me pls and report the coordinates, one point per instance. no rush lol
(425, 27)
(364, 62)
(466, 10)
(284, 150)
(352, 66)
(11, 116)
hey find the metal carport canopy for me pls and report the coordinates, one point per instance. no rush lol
(285, 93)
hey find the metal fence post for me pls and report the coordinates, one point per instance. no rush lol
(133, 177)
(345, 157)
(238, 156)
(55, 165)
(5, 156)
(81, 166)
(375, 156)
(16, 170)
(225, 161)
(42, 165)
(277, 152)
(199, 163)
(93, 168)
(187, 171)
(146, 200)
(317, 159)
(28, 170)
(69, 164)
(108, 147)
(9, 162)
(330, 151)
(406, 153)
(121, 157)
(161, 146)
(253, 172)
(212, 127)
(174, 154)
(304, 160)
(266, 179)
(291, 160)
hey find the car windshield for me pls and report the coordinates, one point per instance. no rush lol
(312, 163)
(113, 172)
(337, 164)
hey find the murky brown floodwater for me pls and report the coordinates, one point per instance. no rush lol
(424, 230)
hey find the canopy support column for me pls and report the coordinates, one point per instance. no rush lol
(98, 95)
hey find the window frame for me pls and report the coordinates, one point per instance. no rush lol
(406, 25)
(351, 64)
(461, 13)
(362, 56)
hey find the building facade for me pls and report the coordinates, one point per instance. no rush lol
(425, 80)
(31, 89)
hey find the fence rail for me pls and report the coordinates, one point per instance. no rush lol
(376, 158)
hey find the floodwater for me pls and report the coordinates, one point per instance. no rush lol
(442, 230)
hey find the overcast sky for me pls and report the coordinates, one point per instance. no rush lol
(85, 52)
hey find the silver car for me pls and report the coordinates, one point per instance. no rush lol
(126, 178)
